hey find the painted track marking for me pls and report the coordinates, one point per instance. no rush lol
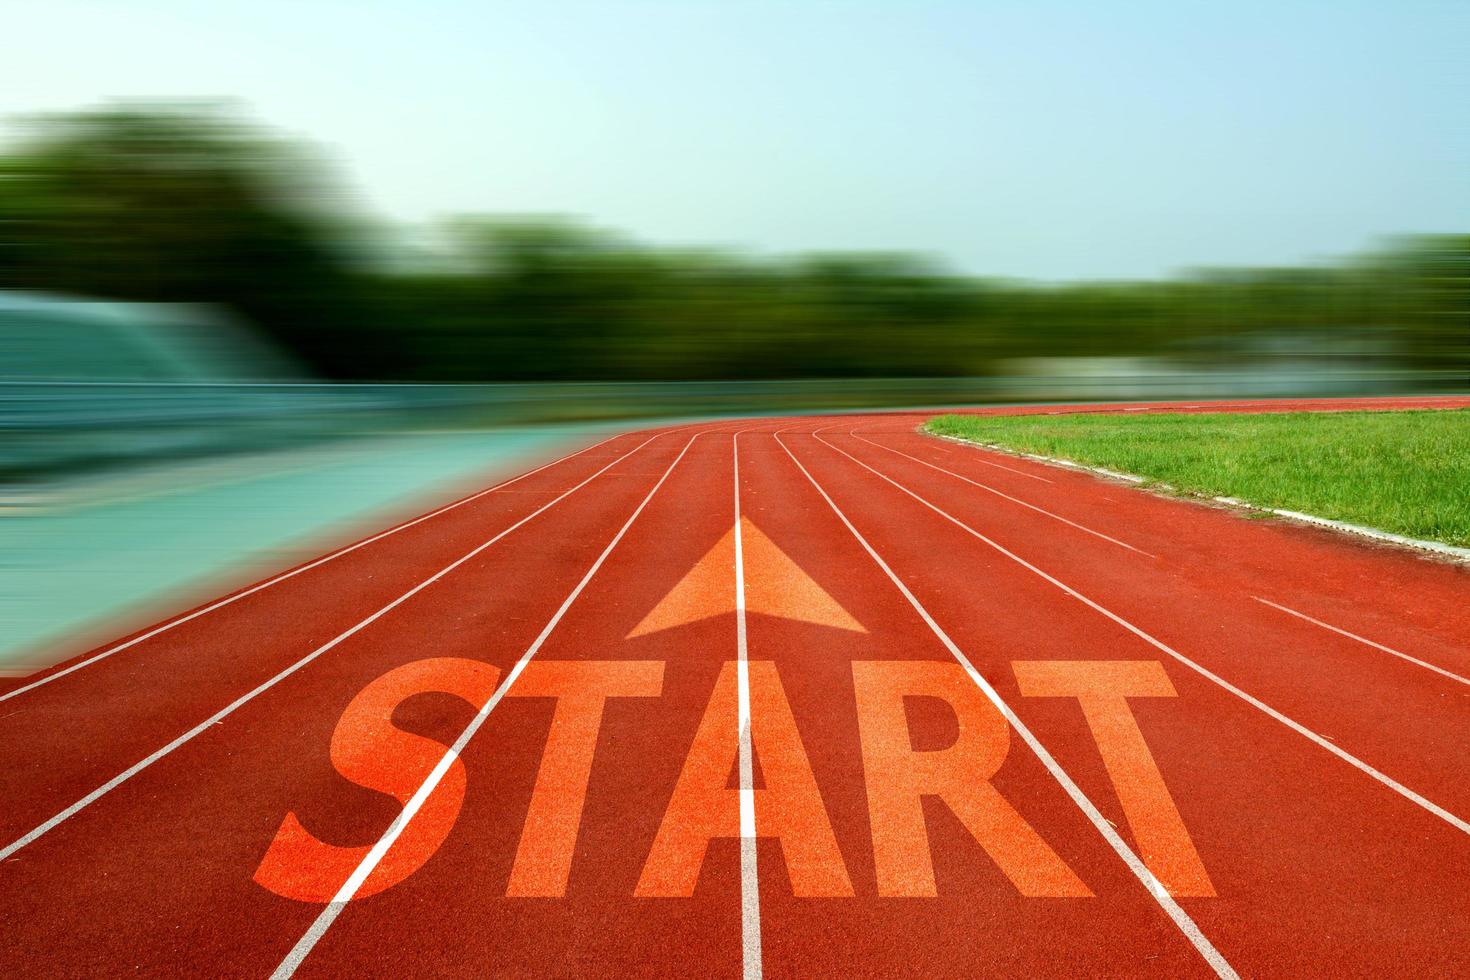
(1014, 500)
(1135, 864)
(370, 861)
(1352, 760)
(750, 894)
(261, 586)
(244, 699)
(1364, 640)
(999, 466)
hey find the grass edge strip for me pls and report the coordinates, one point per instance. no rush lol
(1438, 547)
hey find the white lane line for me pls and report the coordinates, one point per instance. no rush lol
(1460, 554)
(750, 894)
(1254, 702)
(165, 627)
(1439, 547)
(1051, 460)
(1014, 500)
(1008, 469)
(1364, 640)
(244, 699)
(1135, 864)
(370, 861)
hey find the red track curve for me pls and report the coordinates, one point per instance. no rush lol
(1322, 780)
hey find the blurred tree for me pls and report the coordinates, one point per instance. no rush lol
(192, 203)
(185, 203)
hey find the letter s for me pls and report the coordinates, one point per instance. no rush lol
(367, 749)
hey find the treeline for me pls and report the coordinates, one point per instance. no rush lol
(193, 204)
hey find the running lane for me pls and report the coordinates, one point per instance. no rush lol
(71, 729)
(780, 697)
(1312, 861)
(567, 799)
(158, 875)
(1402, 717)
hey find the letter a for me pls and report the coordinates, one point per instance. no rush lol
(788, 808)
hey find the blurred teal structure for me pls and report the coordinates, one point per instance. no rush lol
(89, 387)
(93, 562)
(154, 455)
(142, 470)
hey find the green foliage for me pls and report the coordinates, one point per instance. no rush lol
(1403, 472)
(192, 203)
(181, 204)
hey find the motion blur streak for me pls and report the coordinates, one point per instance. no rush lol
(194, 204)
(189, 304)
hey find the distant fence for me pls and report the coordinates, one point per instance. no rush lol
(51, 427)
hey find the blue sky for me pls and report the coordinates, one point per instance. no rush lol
(1039, 139)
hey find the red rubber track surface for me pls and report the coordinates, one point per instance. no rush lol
(1323, 780)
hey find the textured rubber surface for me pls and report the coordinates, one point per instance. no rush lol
(1001, 725)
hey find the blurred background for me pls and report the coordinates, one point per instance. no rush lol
(270, 272)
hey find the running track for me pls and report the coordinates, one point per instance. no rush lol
(923, 709)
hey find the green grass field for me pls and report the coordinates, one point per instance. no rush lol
(1403, 472)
